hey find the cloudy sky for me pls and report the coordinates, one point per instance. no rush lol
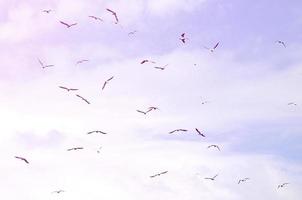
(251, 85)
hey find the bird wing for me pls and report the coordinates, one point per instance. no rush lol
(73, 24)
(217, 147)
(141, 111)
(62, 87)
(64, 23)
(110, 11)
(102, 132)
(104, 85)
(216, 45)
(144, 61)
(73, 89)
(110, 79)
(198, 131)
(41, 63)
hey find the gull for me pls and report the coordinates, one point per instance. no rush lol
(83, 99)
(177, 130)
(75, 148)
(214, 145)
(68, 89)
(132, 32)
(145, 61)
(96, 18)
(96, 132)
(58, 191)
(81, 61)
(158, 174)
(114, 14)
(68, 25)
(199, 133)
(211, 178)
(44, 66)
(292, 103)
(243, 180)
(47, 11)
(105, 83)
(212, 50)
(162, 68)
(183, 38)
(21, 158)
(281, 42)
(282, 185)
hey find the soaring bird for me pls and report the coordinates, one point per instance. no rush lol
(132, 32)
(145, 61)
(68, 25)
(68, 89)
(81, 61)
(282, 185)
(292, 103)
(106, 82)
(58, 191)
(162, 68)
(83, 99)
(243, 180)
(199, 133)
(44, 66)
(214, 145)
(75, 148)
(211, 178)
(114, 14)
(95, 17)
(96, 132)
(21, 158)
(47, 11)
(177, 130)
(281, 42)
(183, 38)
(158, 174)
(212, 49)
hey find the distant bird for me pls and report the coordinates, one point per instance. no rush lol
(47, 11)
(68, 25)
(106, 82)
(183, 38)
(211, 178)
(162, 68)
(158, 174)
(58, 191)
(21, 158)
(95, 17)
(96, 132)
(81, 61)
(292, 103)
(178, 130)
(75, 148)
(44, 66)
(281, 42)
(132, 32)
(83, 99)
(204, 102)
(199, 133)
(68, 89)
(212, 49)
(282, 185)
(114, 14)
(243, 180)
(215, 146)
(145, 61)
(98, 151)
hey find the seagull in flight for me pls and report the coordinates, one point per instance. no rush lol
(58, 191)
(81, 61)
(68, 25)
(178, 130)
(158, 174)
(83, 99)
(21, 158)
(212, 49)
(281, 42)
(282, 185)
(215, 146)
(44, 66)
(114, 14)
(132, 32)
(75, 148)
(149, 109)
(47, 11)
(106, 82)
(183, 38)
(211, 178)
(145, 61)
(68, 89)
(95, 18)
(243, 180)
(96, 132)
(199, 133)
(162, 68)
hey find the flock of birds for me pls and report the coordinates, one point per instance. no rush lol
(183, 39)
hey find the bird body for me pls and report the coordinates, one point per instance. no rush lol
(96, 132)
(46, 11)
(68, 25)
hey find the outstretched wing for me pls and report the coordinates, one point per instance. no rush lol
(216, 45)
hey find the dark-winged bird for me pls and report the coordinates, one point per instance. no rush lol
(75, 148)
(211, 178)
(68, 25)
(199, 133)
(21, 158)
(178, 130)
(44, 66)
(243, 180)
(215, 146)
(158, 174)
(114, 14)
(281, 42)
(106, 82)
(96, 132)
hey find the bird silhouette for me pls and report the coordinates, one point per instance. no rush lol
(215, 146)
(75, 148)
(212, 49)
(58, 191)
(178, 130)
(199, 133)
(81, 61)
(211, 178)
(243, 180)
(132, 32)
(68, 25)
(145, 61)
(95, 18)
(21, 158)
(183, 38)
(162, 68)
(83, 99)
(68, 89)
(282, 185)
(47, 11)
(281, 42)
(96, 132)
(158, 174)
(106, 82)
(292, 104)
(114, 14)
(44, 66)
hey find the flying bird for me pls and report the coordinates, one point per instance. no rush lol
(68, 25)
(158, 174)
(177, 130)
(81, 61)
(215, 146)
(281, 42)
(47, 11)
(212, 49)
(162, 68)
(292, 103)
(95, 17)
(21, 158)
(243, 180)
(145, 61)
(83, 99)
(282, 185)
(68, 89)
(96, 132)
(211, 178)
(106, 82)
(199, 133)
(99, 150)
(132, 32)
(58, 191)
(75, 148)
(114, 14)
(183, 38)
(44, 66)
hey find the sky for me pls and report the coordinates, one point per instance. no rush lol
(245, 97)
